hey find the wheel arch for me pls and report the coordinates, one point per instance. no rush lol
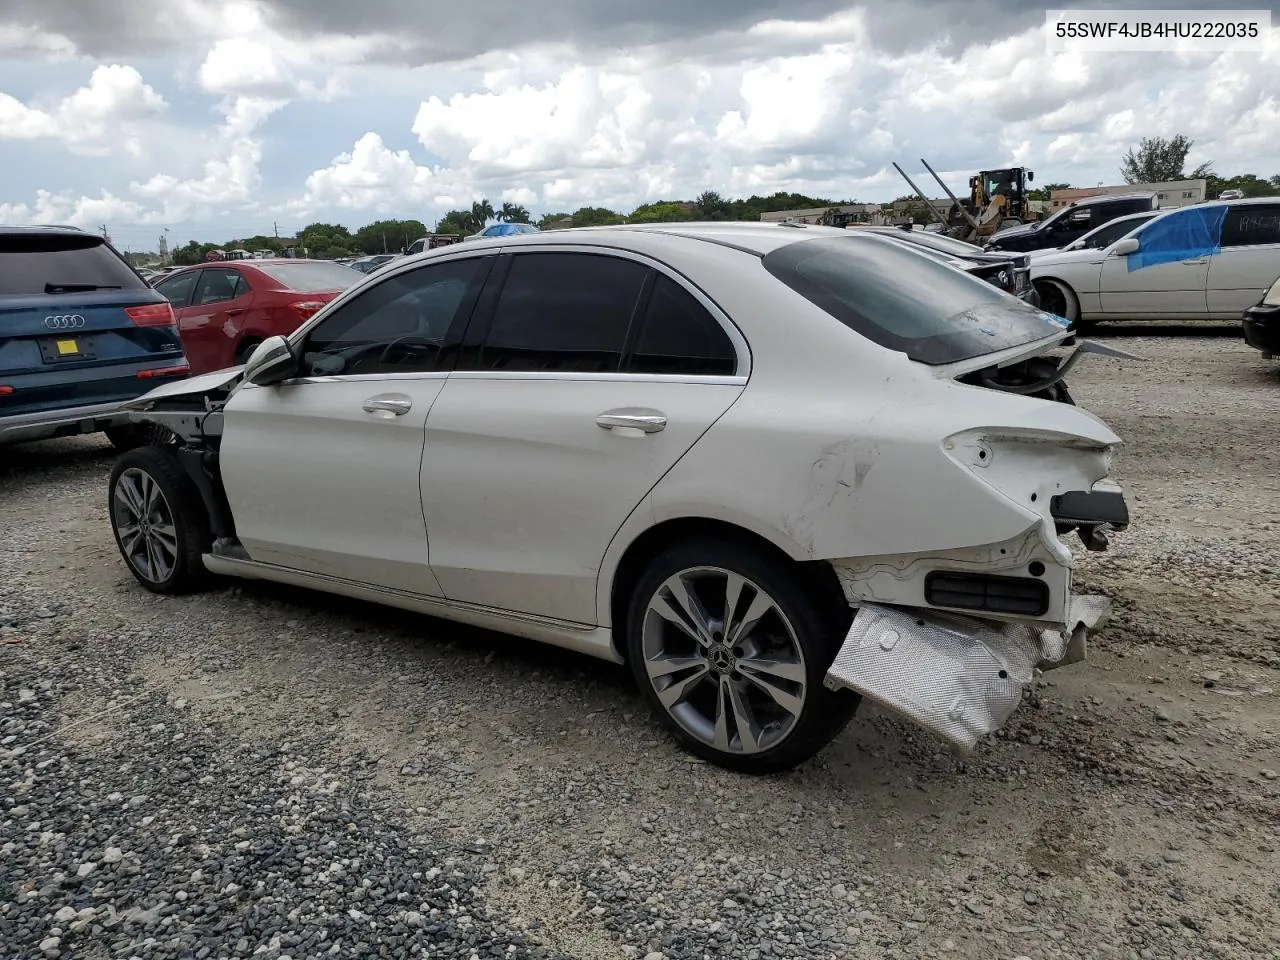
(818, 576)
(246, 339)
(1068, 290)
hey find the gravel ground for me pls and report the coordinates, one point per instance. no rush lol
(267, 772)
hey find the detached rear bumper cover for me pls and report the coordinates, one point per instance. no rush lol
(957, 676)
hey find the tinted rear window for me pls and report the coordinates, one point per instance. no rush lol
(907, 301)
(311, 277)
(30, 261)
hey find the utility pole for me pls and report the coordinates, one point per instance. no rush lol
(275, 226)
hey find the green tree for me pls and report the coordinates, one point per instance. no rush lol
(513, 213)
(325, 237)
(455, 221)
(595, 217)
(550, 218)
(388, 236)
(711, 206)
(1044, 192)
(1247, 183)
(1157, 160)
(664, 211)
(260, 242)
(191, 252)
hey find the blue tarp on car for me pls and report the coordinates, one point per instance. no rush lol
(1185, 235)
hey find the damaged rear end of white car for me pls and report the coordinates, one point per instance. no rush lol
(944, 481)
(950, 639)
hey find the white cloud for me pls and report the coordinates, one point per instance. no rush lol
(815, 107)
(63, 208)
(18, 38)
(228, 181)
(372, 177)
(105, 112)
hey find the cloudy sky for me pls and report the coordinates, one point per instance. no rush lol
(224, 118)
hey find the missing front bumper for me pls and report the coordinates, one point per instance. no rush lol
(959, 677)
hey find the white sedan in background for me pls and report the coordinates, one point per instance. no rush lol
(772, 468)
(1210, 261)
(1099, 238)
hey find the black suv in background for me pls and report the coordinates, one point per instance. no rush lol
(1071, 223)
(80, 333)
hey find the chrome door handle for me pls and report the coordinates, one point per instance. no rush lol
(632, 418)
(1197, 260)
(388, 405)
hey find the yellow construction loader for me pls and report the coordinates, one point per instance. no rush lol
(997, 198)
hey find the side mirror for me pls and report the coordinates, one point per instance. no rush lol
(1031, 177)
(1125, 247)
(271, 362)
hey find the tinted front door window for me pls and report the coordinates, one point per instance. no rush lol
(563, 313)
(396, 326)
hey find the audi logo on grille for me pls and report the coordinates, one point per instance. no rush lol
(70, 321)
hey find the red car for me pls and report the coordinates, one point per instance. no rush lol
(224, 310)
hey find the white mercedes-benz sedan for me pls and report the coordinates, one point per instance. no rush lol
(773, 469)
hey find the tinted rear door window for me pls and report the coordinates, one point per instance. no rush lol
(563, 313)
(217, 286)
(1251, 224)
(678, 335)
(38, 263)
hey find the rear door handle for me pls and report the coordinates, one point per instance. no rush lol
(387, 405)
(234, 311)
(1197, 260)
(632, 418)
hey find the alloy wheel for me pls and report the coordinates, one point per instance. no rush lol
(724, 660)
(144, 525)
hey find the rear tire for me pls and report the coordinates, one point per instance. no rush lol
(159, 521)
(748, 694)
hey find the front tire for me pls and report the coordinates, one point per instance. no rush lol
(730, 647)
(159, 521)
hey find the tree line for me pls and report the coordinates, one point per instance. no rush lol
(1154, 160)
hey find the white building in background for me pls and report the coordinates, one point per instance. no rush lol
(1172, 193)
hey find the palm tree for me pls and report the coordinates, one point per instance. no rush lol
(481, 214)
(513, 213)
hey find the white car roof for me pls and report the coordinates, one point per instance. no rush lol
(749, 236)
